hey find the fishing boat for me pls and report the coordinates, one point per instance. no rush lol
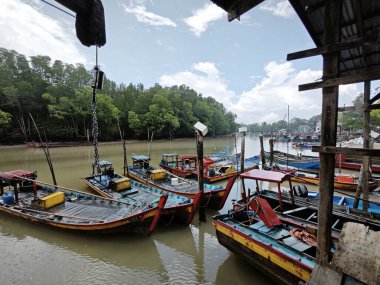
(213, 197)
(179, 165)
(287, 196)
(342, 161)
(214, 170)
(73, 210)
(281, 243)
(297, 161)
(342, 181)
(107, 183)
(227, 168)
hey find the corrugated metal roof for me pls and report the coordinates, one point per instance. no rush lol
(360, 22)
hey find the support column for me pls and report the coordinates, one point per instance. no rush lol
(330, 97)
(202, 208)
(366, 143)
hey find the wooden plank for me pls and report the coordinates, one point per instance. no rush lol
(358, 253)
(346, 108)
(341, 80)
(335, 47)
(347, 150)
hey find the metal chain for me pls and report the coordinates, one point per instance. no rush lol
(95, 134)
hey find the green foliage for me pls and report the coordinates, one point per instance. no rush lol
(5, 118)
(59, 97)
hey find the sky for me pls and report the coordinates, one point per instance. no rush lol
(241, 64)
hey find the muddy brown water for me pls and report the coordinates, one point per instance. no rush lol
(38, 254)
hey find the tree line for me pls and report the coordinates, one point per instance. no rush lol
(59, 96)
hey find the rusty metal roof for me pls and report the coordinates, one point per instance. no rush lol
(359, 28)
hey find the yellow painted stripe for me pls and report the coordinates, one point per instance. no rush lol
(278, 260)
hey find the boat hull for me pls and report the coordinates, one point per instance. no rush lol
(178, 214)
(337, 185)
(272, 263)
(212, 199)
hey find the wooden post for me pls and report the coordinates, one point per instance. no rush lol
(16, 191)
(262, 153)
(202, 207)
(330, 97)
(242, 153)
(366, 143)
(271, 152)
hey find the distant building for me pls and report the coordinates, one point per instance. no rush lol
(318, 127)
(304, 129)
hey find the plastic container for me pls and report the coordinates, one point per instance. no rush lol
(8, 199)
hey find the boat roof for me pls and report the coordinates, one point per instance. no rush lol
(103, 163)
(266, 175)
(140, 157)
(188, 156)
(17, 174)
(170, 154)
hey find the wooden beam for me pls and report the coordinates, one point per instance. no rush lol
(347, 150)
(374, 98)
(240, 8)
(342, 80)
(374, 107)
(346, 108)
(359, 42)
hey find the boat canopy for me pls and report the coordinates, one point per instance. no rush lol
(15, 175)
(103, 163)
(266, 175)
(189, 156)
(140, 157)
(170, 154)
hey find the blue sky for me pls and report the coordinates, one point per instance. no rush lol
(242, 64)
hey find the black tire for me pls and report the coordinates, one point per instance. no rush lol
(304, 191)
(297, 190)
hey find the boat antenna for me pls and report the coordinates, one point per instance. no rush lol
(125, 164)
(150, 143)
(98, 84)
(46, 151)
(287, 144)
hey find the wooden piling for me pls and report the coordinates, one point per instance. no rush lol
(242, 153)
(271, 146)
(330, 97)
(202, 207)
(262, 153)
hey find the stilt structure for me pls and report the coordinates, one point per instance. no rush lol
(345, 33)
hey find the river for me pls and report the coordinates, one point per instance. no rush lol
(37, 254)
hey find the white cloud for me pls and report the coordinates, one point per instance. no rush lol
(25, 29)
(201, 18)
(280, 8)
(268, 100)
(205, 78)
(149, 18)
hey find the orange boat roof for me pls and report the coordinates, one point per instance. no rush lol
(266, 175)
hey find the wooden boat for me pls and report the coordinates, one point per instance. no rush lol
(214, 197)
(286, 199)
(34, 144)
(346, 182)
(178, 209)
(179, 165)
(296, 161)
(228, 168)
(281, 244)
(73, 210)
(342, 161)
(220, 169)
